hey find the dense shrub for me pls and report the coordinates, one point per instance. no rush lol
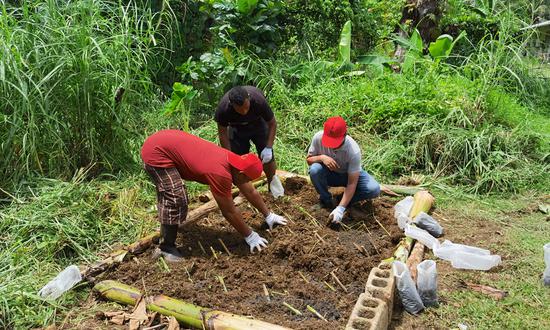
(316, 25)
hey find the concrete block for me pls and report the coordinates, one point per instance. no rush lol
(381, 285)
(368, 313)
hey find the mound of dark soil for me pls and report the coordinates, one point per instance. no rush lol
(305, 247)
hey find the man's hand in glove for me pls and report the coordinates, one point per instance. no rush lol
(274, 219)
(266, 155)
(337, 214)
(255, 241)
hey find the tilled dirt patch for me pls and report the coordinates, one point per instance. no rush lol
(296, 266)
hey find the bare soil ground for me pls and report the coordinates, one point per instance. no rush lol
(306, 245)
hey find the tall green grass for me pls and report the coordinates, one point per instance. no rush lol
(62, 64)
(56, 223)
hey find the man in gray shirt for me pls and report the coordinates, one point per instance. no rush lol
(334, 160)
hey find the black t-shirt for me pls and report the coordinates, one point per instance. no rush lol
(259, 109)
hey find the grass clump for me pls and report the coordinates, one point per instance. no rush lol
(61, 223)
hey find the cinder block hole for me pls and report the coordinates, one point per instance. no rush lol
(379, 283)
(382, 273)
(377, 293)
(370, 303)
(384, 265)
(361, 324)
(366, 313)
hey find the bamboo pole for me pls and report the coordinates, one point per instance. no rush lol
(187, 314)
(415, 258)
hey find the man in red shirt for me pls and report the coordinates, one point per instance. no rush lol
(171, 156)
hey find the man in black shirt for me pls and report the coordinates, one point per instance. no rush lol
(243, 115)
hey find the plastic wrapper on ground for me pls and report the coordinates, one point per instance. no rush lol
(63, 282)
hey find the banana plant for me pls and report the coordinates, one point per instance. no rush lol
(180, 102)
(344, 47)
(438, 50)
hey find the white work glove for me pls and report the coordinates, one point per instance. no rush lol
(255, 241)
(266, 155)
(274, 219)
(337, 214)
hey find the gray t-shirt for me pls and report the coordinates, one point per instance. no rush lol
(348, 156)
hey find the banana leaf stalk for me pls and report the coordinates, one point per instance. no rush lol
(187, 314)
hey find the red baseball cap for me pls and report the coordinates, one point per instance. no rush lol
(334, 132)
(249, 164)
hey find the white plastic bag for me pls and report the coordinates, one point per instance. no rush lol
(546, 275)
(276, 187)
(404, 206)
(406, 288)
(427, 282)
(465, 260)
(422, 236)
(403, 221)
(429, 224)
(64, 281)
(447, 249)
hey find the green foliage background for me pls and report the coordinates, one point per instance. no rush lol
(70, 178)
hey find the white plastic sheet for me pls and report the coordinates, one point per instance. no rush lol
(446, 250)
(467, 257)
(404, 206)
(422, 236)
(63, 282)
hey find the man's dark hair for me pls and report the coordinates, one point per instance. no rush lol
(237, 95)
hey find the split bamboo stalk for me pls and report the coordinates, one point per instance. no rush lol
(415, 258)
(187, 314)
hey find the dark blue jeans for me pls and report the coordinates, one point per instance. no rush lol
(323, 178)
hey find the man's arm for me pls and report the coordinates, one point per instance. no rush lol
(223, 135)
(232, 214)
(271, 131)
(253, 196)
(353, 178)
(324, 159)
